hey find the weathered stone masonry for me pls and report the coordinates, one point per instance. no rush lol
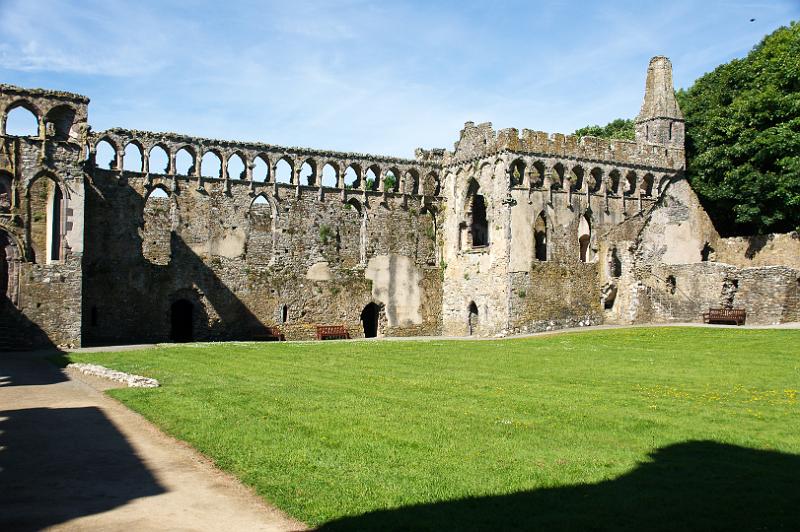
(509, 232)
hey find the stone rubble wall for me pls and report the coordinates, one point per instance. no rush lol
(314, 254)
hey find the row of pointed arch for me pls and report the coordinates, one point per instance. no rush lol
(560, 176)
(310, 171)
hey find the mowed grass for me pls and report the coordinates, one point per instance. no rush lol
(328, 430)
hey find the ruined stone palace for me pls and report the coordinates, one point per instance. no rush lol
(184, 238)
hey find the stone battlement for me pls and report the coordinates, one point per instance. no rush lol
(477, 141)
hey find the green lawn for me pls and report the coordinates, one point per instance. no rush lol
(657, 428)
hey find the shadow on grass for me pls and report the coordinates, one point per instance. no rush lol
(698, 485)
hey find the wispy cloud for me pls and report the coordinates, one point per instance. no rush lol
(363, 75)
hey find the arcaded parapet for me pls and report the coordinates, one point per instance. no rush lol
(321, 169)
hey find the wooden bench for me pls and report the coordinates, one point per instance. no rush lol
(332, 332)
(732, 316)
(268, 334)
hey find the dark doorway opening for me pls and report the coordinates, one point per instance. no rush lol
(182, 323)
(369, 318)
(472, 318)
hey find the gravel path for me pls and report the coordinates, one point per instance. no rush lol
(74, 459)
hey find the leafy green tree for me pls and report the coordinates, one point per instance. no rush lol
(743, 137)
(621, 128)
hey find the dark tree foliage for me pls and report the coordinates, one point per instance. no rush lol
(743, 138)
(621, 128)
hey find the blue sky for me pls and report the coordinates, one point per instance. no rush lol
(380, 77)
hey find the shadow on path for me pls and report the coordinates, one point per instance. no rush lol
(697, 485)
(57, 464)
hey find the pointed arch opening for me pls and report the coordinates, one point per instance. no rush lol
(614, 178)
(472, 318)
(22, 121)
(157, 227)
(391, 181)
(630, 183)
(646, 186)
(557, 177)
(330, 176)
(235, 167)
(55, 227)
(132, 160)
(105, 155)
(308, 173)
(211, 165)
(351, 177)
(158, 160)
(59, 121)
(595, 180)
(540, 237)
(411, 182)
(371, 181)
(584, 236)
(185, 162)
(477, 219)
(577, 178)
(537, 174)
(260, 169)
(283, 171)
(516, 173)
(431, 185)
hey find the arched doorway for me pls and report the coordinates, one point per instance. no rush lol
(472, 318)
(369, 319)
(182, 321)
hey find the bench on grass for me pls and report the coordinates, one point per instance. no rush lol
(332, 332)
(268, 334)
(732, 316)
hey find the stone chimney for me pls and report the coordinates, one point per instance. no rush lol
(660, 121)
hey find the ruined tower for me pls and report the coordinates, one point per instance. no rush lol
(660, 121)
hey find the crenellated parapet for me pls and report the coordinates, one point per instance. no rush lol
(479, 141)
(307, 167)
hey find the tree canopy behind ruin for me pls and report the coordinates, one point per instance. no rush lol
(621, 128)
(743, 137)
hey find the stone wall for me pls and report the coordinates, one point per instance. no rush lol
(240, 262)
(43, 219)
(759, 250)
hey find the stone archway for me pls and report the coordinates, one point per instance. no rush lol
(369, 319)
(472, 318)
